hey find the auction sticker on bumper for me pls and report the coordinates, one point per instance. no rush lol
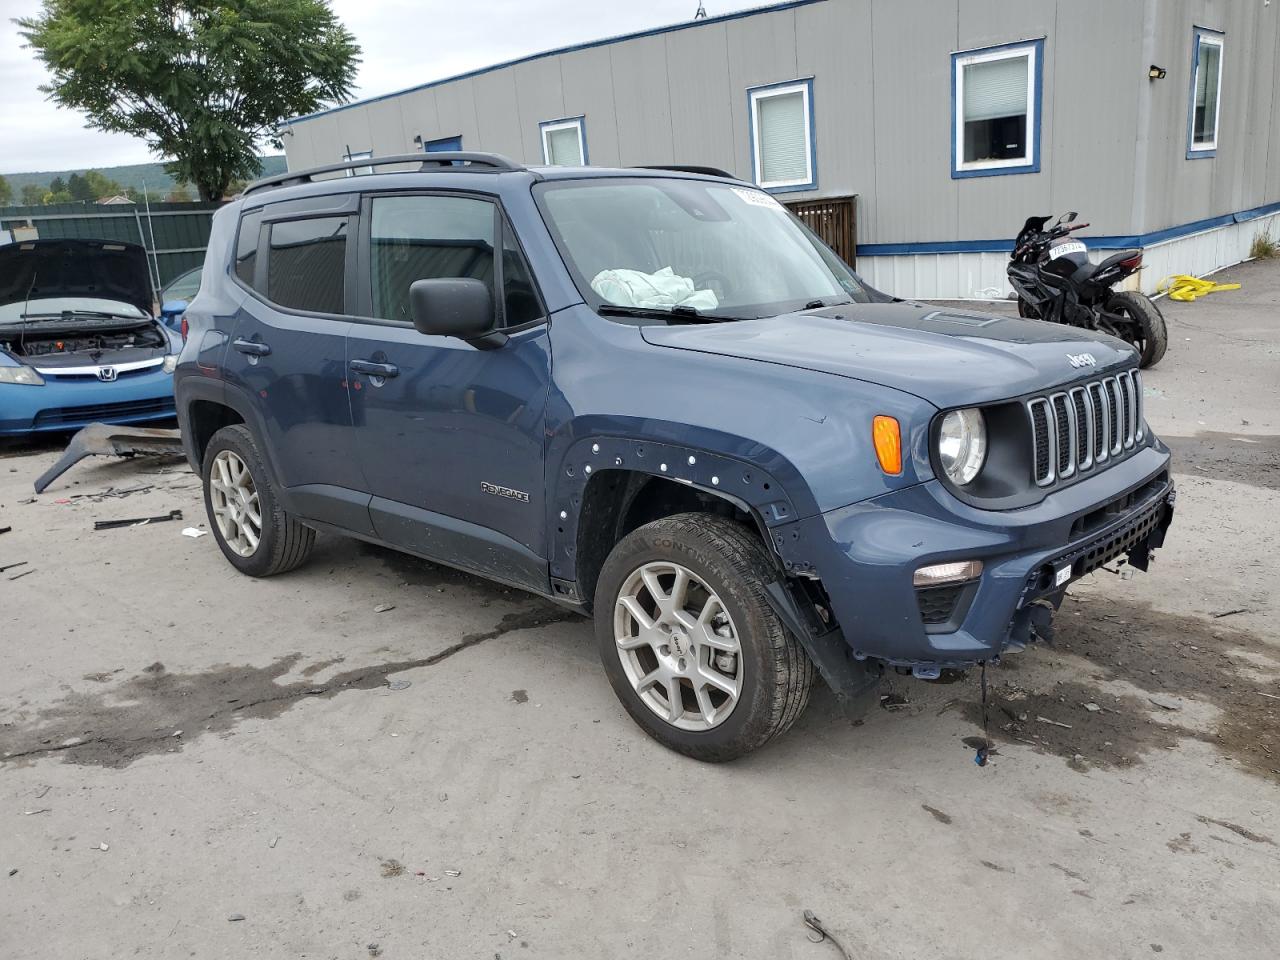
(1062, 575)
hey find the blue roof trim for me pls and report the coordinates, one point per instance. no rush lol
(1099, 243)
(573, 48)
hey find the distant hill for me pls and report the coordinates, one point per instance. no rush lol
(135, 175)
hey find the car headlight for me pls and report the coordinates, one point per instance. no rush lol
(23, 375)
(170, 363)
(962, 444)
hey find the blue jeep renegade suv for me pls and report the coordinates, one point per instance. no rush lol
(655, 396)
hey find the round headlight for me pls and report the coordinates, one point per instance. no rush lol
(962, 444)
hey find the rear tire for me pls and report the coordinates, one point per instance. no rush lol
(695, 630)
(1152, 338)
(1027, 311)
(253, 530)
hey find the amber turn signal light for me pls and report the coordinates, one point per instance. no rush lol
(888, 440)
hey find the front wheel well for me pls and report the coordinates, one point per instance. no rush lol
(616, 502)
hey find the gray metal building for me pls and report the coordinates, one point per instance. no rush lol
(950, 121)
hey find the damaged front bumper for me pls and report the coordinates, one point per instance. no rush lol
(866, 555)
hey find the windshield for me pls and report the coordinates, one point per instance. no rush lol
(725, 251)
(54, 306)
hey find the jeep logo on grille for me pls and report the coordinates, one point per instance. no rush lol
(106, 374)
(1081, 359)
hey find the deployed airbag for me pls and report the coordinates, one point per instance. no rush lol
(632, 288)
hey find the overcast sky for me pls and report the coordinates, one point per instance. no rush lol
(405, 42)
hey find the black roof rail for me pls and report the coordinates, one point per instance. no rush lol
(444, 160)
(690, 168)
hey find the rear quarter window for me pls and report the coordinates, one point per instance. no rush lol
(247, 246)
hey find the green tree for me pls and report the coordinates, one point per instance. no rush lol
(204, 82)
(100, 185)
(79, 188)
(6, 193)
(32, 195)
(58, 185)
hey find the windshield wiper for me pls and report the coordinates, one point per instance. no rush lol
(678, 312)
(820, 304)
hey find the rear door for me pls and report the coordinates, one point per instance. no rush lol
(287, 356)
(451, 442)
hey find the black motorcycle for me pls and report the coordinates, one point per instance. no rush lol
(1055, 281)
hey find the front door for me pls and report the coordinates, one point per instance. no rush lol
(449, 435)
(287, 358)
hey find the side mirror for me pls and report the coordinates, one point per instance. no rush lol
(171, 310)
(455, 307)
(1070, 217)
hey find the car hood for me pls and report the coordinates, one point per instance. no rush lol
(951, 358)
(107, 269)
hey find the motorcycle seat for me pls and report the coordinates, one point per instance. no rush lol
(1092, 269)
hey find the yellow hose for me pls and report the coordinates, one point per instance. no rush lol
(1187, 288)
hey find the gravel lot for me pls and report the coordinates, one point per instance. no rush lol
(193, 763)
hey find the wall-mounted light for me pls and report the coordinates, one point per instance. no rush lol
(417, 141)
(1156, 73)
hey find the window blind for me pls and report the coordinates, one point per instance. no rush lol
(780, 135)
(563, 147)
(995, 88)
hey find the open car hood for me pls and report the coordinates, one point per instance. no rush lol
(948, 357)
(107, 269)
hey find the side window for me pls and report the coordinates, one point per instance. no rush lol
(519, 298)
(1206, 95)
(306, 264)
(996, 110)
(426, 238)
(247, 245)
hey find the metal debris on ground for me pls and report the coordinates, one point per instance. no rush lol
(19, 576)
(1054, 723)
(10, 566)
(235, 917)
(1230, 613)
(893, 701)
(817, 933)
(384, 607)
(136, 521)
(5, 529)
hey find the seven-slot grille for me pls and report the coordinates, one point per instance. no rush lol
(1085, 426)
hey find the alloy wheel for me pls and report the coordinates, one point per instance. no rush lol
(678, 646)
(236, 507)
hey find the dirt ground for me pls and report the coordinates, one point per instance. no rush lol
(375, 756)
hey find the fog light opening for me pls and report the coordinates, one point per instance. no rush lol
(939, 574)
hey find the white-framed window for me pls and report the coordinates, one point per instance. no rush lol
(564, 142)
(995, 109)
(781, 118)
(1206, 94)
(358, 155)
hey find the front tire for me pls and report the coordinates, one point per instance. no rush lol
(690, 643)
(253, 530)
(1149, 335)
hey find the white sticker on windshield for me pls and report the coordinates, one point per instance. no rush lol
(1062, 249)
(758, 198)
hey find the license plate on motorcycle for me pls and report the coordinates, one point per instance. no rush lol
(1062, 249)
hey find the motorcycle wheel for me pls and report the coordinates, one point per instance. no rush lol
(1146, 330)
(1027, 311)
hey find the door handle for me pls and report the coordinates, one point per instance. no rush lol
(374, 369)
(251, 347)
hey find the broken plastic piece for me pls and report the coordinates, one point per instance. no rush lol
(110, 440)
(136, 521)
